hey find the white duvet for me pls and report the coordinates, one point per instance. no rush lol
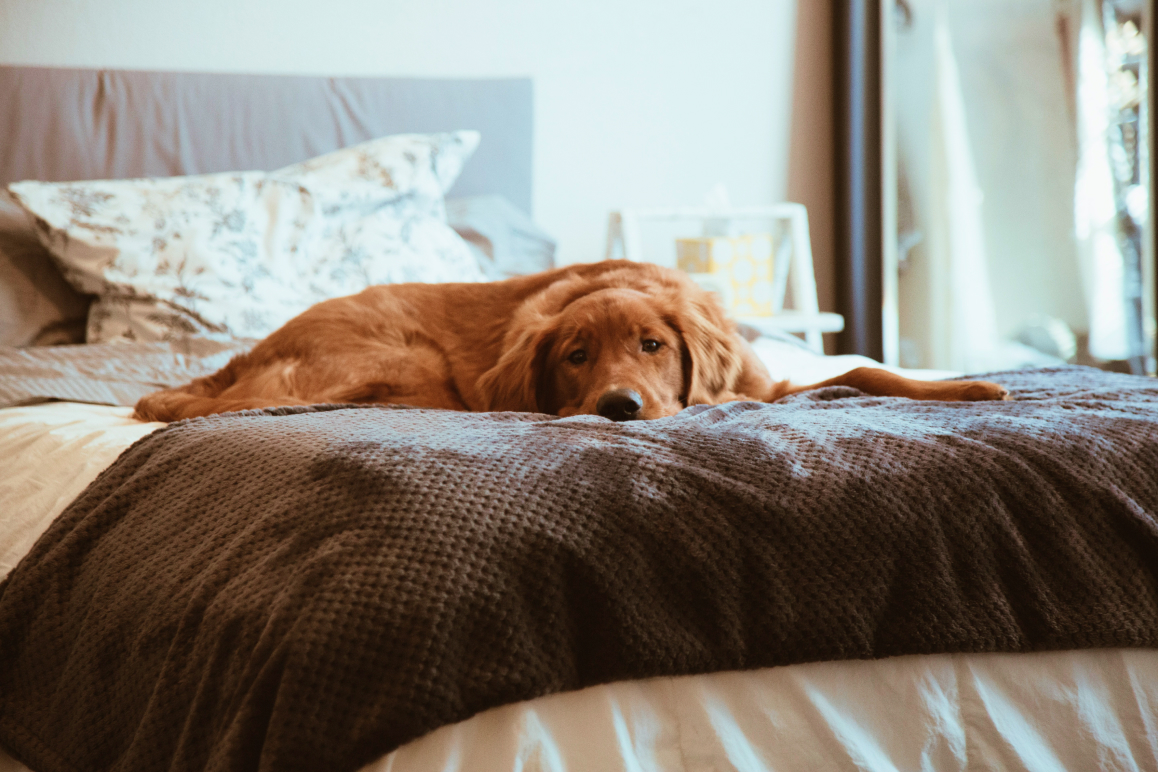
(1081, 710)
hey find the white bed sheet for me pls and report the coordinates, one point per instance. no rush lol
(1080, 710)
(786, 361)
(48, 454)
(1083, 710)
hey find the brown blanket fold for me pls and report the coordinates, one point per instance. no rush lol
(309, 588)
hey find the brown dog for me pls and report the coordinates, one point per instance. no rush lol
(618, 339)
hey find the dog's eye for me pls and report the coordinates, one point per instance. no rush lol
(577, 357)
(651, 346)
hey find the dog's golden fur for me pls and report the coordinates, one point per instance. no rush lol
(554, 342)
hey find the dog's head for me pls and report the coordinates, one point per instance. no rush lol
(638, 343)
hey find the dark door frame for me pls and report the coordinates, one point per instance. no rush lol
(859, 237)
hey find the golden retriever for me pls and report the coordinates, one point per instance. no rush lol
(617, 339)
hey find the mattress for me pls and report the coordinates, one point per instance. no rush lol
(1092, 709)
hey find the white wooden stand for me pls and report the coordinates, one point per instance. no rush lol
(625, 241)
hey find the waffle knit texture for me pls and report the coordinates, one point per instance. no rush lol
(309, 588)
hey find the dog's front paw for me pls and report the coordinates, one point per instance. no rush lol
(982, 391)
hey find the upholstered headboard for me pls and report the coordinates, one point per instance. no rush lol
(69, 124)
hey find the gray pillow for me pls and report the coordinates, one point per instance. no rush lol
(37, 306)
(505, 240)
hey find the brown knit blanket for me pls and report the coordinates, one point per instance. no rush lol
(307, 589)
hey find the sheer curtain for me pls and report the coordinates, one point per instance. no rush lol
(1095, 209)
(964, 332)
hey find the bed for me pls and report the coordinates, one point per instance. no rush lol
(771, 624)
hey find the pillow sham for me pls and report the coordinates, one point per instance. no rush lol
(236, 255)
(37, 306)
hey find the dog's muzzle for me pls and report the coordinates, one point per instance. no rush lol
(620, 405)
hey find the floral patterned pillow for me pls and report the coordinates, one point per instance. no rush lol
(236, 255)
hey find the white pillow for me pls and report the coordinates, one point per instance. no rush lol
(238, 254)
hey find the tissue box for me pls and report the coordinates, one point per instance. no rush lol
(742, 263)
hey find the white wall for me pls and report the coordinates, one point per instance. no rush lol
(638, 102)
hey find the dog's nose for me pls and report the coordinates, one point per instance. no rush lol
(620, 405)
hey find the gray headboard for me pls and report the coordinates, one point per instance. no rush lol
(69, 124)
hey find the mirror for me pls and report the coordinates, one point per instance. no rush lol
(1016, 174)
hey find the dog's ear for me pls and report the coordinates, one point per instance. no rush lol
(711, 347)
(515, 383)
